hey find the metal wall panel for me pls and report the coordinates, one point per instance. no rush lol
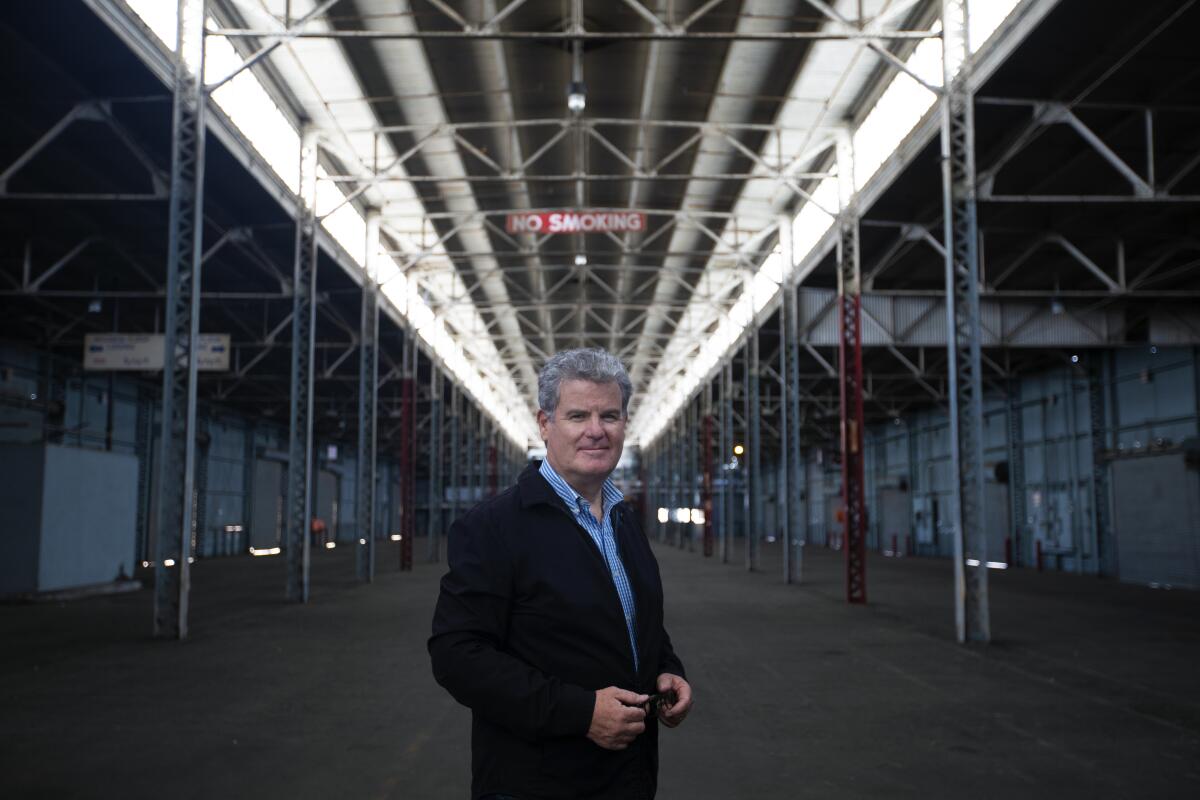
(224, 490)
(266, 523)
(1157, 520)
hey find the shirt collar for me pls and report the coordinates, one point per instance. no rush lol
(610, 494)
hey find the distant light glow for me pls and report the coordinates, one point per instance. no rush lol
(395, 537)
(265, 551)
(974, 562)
(330, 545)
(738, 449)
(168, 562)
(697, 516)
(664, 515)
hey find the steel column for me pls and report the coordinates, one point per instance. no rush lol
(433, 527)
(470, 466)
(454, 453)
(659, 486)
(408, 435)
(964, 378)
(706, 502)
(850, 379)
(681, 474)
(304, 310)
(493, 477)
(199, 525)
(744, 460)
(177, 462)
(1101, 512)
(794, 455)
(691, 452)
(726, 450)
(146, 462)
(665, 483)
(249, 453)
(788, 418)
(754, 488)
(1016, 474)
(368, 397)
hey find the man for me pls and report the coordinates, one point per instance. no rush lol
(549, 626)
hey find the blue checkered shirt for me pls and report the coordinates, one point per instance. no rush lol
(602, 534)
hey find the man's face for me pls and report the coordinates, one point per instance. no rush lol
(585, 437)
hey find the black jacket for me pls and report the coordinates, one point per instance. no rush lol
(528, 625)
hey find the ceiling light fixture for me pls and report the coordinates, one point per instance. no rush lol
(576, 97)
(580, 260)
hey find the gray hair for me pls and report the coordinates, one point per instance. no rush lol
(582, 364)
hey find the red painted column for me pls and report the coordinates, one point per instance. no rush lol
(853, 481)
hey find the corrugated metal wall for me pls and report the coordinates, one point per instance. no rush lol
(1151, 393)
(52, 400)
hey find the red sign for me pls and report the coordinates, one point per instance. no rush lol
(576, 222)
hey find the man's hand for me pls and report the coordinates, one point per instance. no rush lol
(617, 718)
(673, 714)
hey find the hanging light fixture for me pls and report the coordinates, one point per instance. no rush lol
(576, 97)
(576, 89)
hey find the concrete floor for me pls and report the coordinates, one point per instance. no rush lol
(1090, 690)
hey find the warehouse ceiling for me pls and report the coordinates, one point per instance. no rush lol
(712, 136)
(716, 119)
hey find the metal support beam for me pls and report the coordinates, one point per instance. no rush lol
(1101, 512)
(726, 377)
(850, 380)
(586, 36)
(706, 451)
(368, 398)
(452, 450)
(789, 414)
(491, 437)
(433, 522)
(692, 423)
(300, 425)
(1016, 474)
(408, 436)
(471, 425)
(754, 487)
(678, 465)
(665, 498)
(965, 377)
(177, 461)
(797, 511)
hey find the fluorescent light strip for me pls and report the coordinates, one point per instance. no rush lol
(897, 112)
(250, 108)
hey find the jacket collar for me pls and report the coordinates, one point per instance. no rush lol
(533, 490)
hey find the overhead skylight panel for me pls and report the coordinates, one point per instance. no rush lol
(893, 117)
(248, 105)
